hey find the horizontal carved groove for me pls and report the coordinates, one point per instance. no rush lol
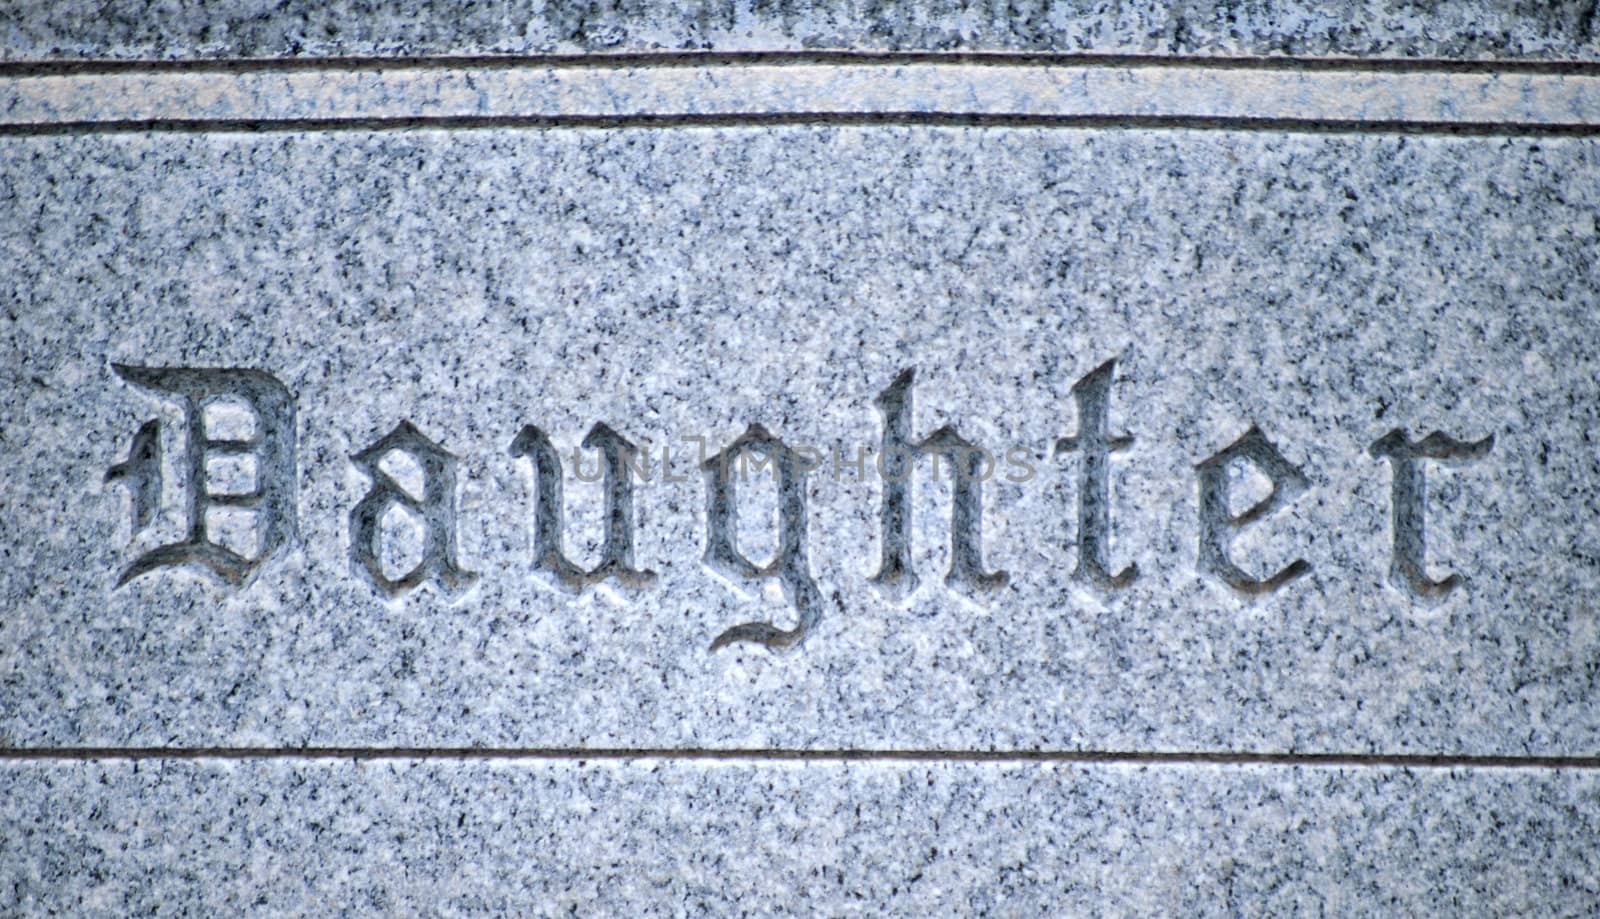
(803, 119)
(576, 754)
(661, 60)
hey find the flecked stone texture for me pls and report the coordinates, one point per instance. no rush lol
(483, 838)
(1452, 29)
(939, 89)
(687, 282)
(320, 591)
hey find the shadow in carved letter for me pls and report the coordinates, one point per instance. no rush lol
(1093, 395)
(141, 473)
(436, 506)
(1218, 526)
(1408, 567)
(789, 566)
(616, 561)
(271, 500)
(896, 463)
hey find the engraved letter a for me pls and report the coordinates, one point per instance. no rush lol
(436, 507)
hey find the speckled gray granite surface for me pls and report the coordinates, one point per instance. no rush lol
(686, 283)
(281, 416)
(402, 837)
(1471, 29)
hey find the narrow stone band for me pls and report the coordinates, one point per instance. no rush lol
(533, 90)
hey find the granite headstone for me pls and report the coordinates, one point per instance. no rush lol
(1092, 458)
